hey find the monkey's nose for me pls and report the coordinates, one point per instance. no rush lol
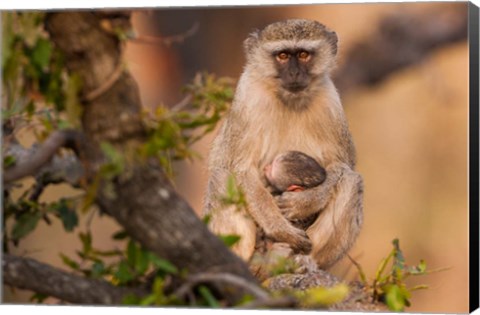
(267, 168)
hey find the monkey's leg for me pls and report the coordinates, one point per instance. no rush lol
(230, 221)
(302, 204)
(338, 225)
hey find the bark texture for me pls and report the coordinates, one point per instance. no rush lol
(143, 199)
(26, 273)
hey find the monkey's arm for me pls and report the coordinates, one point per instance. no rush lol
(266, 214)
(338, 225)
(301, 204)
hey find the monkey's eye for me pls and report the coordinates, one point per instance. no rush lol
(282, 57)
(303, 55)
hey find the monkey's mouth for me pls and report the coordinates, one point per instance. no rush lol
(295, 87)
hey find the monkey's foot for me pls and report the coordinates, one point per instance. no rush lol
(305, 263)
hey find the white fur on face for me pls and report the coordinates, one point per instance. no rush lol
(274, 128)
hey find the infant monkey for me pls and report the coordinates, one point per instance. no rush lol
(294, 171)
(291, 171)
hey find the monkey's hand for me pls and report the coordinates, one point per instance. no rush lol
(264, 211)
(295, 237)
(302, 204)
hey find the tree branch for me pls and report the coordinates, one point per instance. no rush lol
(231, 279)
(402, 39)
(29, 162)
(158, 213)
(167, 41)
(26, 273)
(145, 202)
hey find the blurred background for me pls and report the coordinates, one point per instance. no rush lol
(403, 77)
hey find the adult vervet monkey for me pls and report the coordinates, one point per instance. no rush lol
(286, 100)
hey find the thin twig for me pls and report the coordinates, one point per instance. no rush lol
(90, 219)
(359, 268)
(38, 189)
(89, 97)
(194, 280)
(182, 104)
(167, 41)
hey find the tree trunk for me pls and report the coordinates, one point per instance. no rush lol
(143, 200)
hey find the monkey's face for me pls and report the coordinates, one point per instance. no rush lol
(298, 69)
(293, 69)
(292, 58)
(277, 175)
(292, 170)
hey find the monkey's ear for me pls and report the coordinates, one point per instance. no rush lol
(251, 41)
(332, 40)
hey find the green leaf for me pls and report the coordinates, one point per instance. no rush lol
(245, 299)
(137, 257)
(63, 124)
(419, 269)
(162, 264)
(207, 218)
(123, 273)
(142, 261)
(418, 287)
(29, 26)
(131, 251)
(229, 240)
(38, 297)
(148, 300)
(361, 272)
(233, 195)
(25, 224)
(158, 292)
(399, 259)
(208, 296)
(67, 215)
(158, 285)
(9, 160)
(322, 296)
(41, 53)
(86, 239)
(73, 107)
(383, 265)
(395, 298)
(131, 299)
(98, 269)
(69, 262)
(282, 265)
(116, 161)
(7, 36)
(120, 235)
(107, 253)
(422, 266)
(231, 186)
